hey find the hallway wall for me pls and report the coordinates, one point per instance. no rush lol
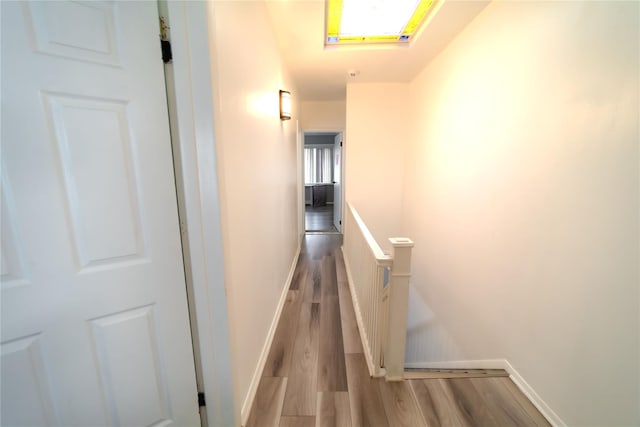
(522, 196)
(375, 152)
(323, 115)
(520, 187)
(257, 174)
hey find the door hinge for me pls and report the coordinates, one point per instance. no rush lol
(201, 401)
(340, 222)
(165, 44)
(340, 143)
(167, 55)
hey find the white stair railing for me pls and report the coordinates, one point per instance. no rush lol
(379, 285)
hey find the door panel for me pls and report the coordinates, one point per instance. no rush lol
(32, 402)
(95, 163)
(95, 326)
(135, 391)
(337, 182)
(80, 30)
(12, 268)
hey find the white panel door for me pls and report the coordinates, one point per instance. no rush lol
(95, 327)
(337, 182)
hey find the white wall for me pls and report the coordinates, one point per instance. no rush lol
(522, 197)
(257, 175)
(323, 115)
(375, 146)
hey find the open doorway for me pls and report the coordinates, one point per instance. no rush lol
(322, 165)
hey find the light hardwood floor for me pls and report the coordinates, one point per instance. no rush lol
(316, 373)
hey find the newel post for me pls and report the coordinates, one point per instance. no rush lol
(398, 306)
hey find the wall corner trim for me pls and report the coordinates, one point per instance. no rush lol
(262, 360)
(519, 381)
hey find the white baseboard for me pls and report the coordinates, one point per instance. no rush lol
(537, 401)
(526, 389)
(257, 374)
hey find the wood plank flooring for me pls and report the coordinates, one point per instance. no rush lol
(319, 219)
(316, 373)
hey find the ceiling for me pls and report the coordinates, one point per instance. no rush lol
(322, 74)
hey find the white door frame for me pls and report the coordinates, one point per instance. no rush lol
(339, 203)
(301, 204)
(301, 190)
(194, 129)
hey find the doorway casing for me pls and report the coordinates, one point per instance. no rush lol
(193, 140)
(301, 184)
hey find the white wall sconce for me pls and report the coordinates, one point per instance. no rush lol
(285, 105)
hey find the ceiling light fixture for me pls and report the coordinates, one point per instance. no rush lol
(374, 21)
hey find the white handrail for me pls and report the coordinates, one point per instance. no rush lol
(373, 245)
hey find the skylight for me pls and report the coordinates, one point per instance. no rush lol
(374, 21)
